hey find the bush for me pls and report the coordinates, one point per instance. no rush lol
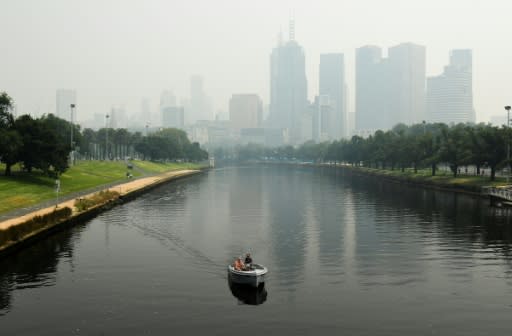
(20, 231)
(82, 204)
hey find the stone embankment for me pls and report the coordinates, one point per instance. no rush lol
(125, 191)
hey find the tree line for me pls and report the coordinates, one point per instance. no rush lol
(46, 143)
(416, 146)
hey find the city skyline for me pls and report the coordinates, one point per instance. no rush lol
(130, 61)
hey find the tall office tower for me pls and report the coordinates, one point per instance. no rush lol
(64, 99)
(173, 116)
(200, 103)
(167, 99)
(288, 87)
(322, 116)
(245, 111)
(143, 116)
(450, 95)
(117, 117)
(332, 85)
(407, 67)
(372, 107)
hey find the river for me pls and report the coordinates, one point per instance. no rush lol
(345, 254)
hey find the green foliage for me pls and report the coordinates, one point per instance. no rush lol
(18, 232)
(82, 204)
(416, 146)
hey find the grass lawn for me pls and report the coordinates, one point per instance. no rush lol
(157, 167)
(23, 189)
(442, 177)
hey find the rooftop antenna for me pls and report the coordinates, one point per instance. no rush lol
(292, 28)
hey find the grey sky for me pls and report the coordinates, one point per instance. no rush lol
(119, 51)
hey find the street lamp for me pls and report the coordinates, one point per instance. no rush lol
(106, 137)
(507, 108)
(71, 158)
(147, 125)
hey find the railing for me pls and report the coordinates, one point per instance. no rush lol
(500, 192)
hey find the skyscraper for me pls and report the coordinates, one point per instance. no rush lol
(390, 90)
(450, 95)
(372, 108)
(332, 84)
(407, 67)
(245, 111)
(200, 103)
(64, 99)
(173, 116)
(288, 87)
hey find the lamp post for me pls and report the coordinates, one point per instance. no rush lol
(106, 137)
(71, 155)
(507, 108)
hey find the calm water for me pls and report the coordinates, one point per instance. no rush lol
(345, 254)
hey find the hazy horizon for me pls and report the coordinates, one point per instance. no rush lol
(119, 52)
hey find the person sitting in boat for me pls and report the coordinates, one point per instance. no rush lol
(239, 265)
(248, 260)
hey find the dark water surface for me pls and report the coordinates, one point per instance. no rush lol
(346, 254)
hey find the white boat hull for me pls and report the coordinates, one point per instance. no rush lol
(254, 277)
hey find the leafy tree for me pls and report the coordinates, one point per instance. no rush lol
(10, 140)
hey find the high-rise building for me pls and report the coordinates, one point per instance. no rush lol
(167, 99)
(64, 99)
(288, 87)
(245, 111)
(450, 95)
(332, 85)
(407, 67)
(173, 117)
(389, 90)
(200, 103)
(371, 106)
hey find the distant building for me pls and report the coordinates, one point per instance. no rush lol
(332, 85)
(322, 114)
(64, 99)
(371, 107)
(245, 111)
(173, 117)
(390, 90)
(117, 117)
(407, 68)
(288, 87)
(200, 103)
(450, 95)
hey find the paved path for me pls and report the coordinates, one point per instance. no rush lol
(123, 187)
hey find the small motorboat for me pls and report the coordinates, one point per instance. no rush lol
(254, 275)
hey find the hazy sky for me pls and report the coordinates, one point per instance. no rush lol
(118, 51)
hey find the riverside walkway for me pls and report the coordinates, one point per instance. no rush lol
(123, 188)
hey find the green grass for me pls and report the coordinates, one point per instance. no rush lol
(156, 167)
(441, 178)
(23, 189)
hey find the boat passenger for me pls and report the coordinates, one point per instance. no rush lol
(239, 265)
(248, 260)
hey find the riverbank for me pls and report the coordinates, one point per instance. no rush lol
(471, 185)
(123, 192)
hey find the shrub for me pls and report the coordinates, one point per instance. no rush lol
(82, 204)
(20, 231)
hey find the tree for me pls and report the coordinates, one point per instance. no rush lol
(10, 140)
(454, 148)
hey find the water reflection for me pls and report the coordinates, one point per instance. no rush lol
(246, 294)
(36, 266)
